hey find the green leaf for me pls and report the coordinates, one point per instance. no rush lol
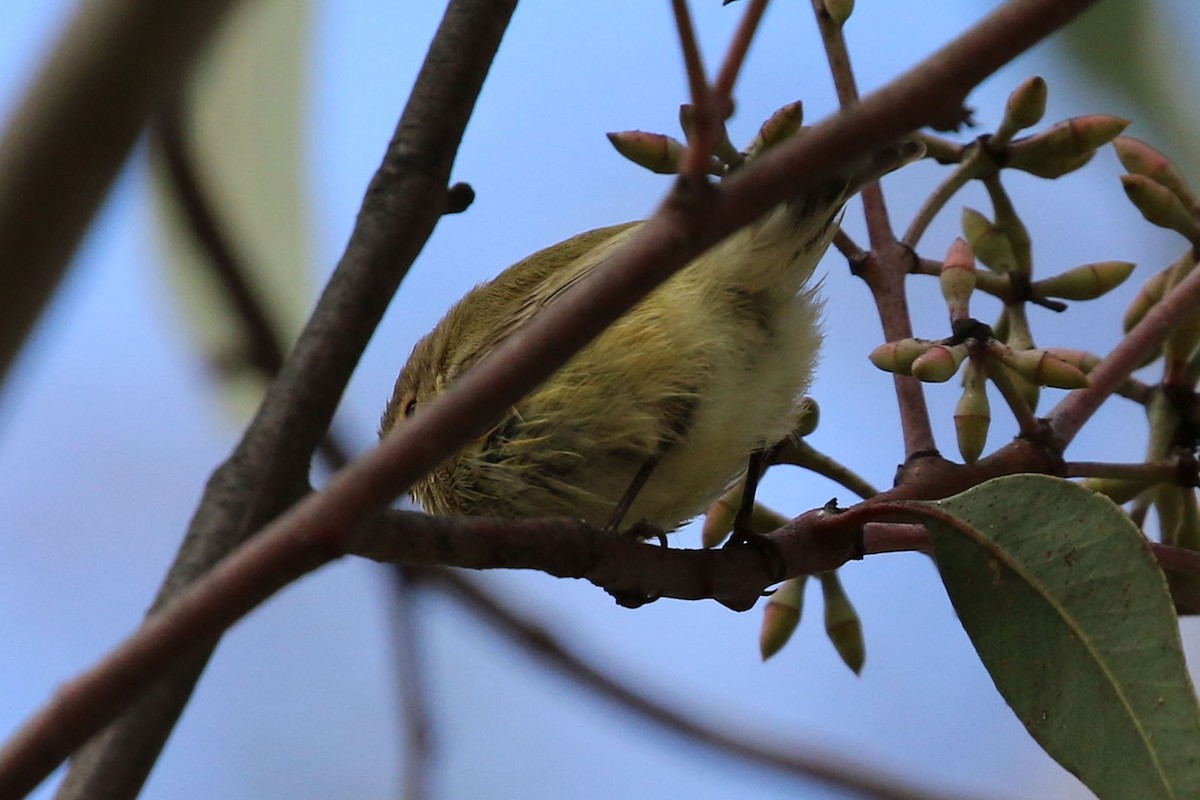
(1071, 615)
(246, 105)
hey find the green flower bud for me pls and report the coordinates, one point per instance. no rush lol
(939, 363)
(991, 245)
(1065, 147)
(839, 10)
(1027, 104)
(972, 415)
(1160, 206)
(781, 616)
(897, 357)
(806, 415)
(654, 151)
(723, 149)
(1147, 297)
(1085, 282)
(1118, 490)
(779, 127)
(1039, 367)
(842, 624)
(718, 520)
(765, 520)
(1081, 360)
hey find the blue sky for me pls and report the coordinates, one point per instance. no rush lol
(110, 425)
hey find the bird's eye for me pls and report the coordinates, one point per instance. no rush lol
(410, 408)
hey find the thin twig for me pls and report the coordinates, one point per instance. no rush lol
(848, 247)
(736, 54)
(879, 228)
(703, 136)
(802, 454)
(959, 177)
(799, 761)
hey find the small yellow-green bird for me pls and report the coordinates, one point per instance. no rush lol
(658, 416)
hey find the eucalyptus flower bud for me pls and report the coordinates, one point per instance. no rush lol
(972, 415)
(1140, 158)
(779, 127)
(897, 357)
(654, 151)
(1065, 147)
(1087, 281)
(939, 363)
(842, 624)
(990, 244)
(957, 278)
(1160, 206)
(1039, 367)
(839, 10)
(781, 616)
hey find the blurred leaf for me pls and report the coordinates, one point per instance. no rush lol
(1133, 50)
(246, 107)
(1071, 616)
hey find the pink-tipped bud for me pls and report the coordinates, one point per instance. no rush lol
(718, 520)
(1140, 158)
(958, 278)
(1081, 360)
(1039, 367)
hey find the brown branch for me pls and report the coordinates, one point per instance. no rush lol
(885, 267)
(879, 228)
(269, 469)
(795, 760)
(73, 130)
(736, 55)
